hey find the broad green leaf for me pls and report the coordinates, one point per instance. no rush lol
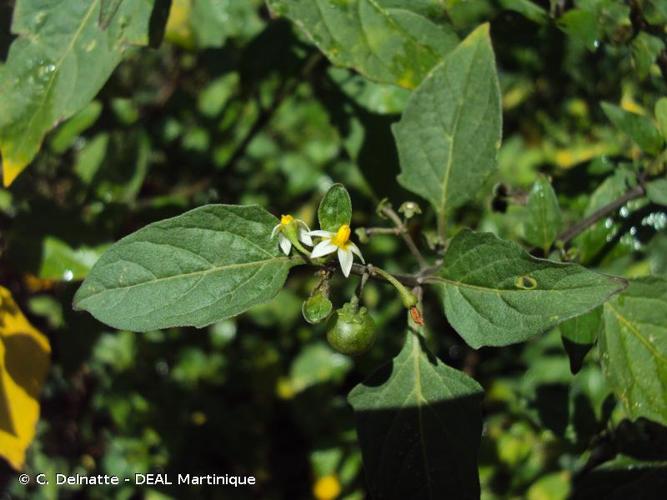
(496, 294)
(633, 348)
(419, 426)
(543, 217)
(59, 61)
(195, 269)
(335, 208)
(661, 115)
(450, 131)
(24, 362)
(579, 334)
(657, 191)
(639, 128)
(391, 41)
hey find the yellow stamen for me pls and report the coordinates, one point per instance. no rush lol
(286, 219)
(342, 236)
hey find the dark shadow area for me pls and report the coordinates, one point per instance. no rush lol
(158, 22)
(420, 451)
(6, 37)
(6, 422)
(29, 376)
(640, 483)
(551, 402)
(576, 353)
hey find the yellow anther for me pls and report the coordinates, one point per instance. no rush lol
(342, 236)
(286, 219)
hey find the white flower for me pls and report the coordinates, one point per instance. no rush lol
(291, 227)
(337, 242)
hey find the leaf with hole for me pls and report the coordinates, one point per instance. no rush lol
(495, 293)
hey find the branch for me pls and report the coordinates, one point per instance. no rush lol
(402, 230)
(573, 231)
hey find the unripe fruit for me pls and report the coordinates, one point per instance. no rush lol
(351, 330)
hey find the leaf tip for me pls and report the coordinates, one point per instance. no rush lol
(11, 170)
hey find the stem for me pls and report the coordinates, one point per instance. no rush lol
(573, 231)
(402, 230)
(407, 297)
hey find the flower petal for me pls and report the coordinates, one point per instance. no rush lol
(321, 233)
(275, 231)
(345, 258)
(305, 238)
(323, 248)
(356, 251)
(285, 244)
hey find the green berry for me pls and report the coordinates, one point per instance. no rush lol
(351, 330)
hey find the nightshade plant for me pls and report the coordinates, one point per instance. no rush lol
(418, 420)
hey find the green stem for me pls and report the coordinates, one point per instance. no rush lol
(407, 297)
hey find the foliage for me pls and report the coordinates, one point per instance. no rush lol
(222, 177)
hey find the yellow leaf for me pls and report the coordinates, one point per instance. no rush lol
(24, 362)
(11, 170)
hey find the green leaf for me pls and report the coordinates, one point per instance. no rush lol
(62, 262)
(633, 348)
(582, 26)
(450, 132)
(579, 334)
(645, 49)
(661, 115)
(317, 364)
(496, 294)
(335, 208)
(527, 9)
(543, 216)
(68, 132)
(391, 41)
(419, 426)
(657, 191)
(594, 239)
(192, 270)
(59, 61)
(639, 128)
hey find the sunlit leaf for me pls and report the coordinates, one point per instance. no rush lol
(391, 41)
(42, 82)
(195, 269)
(494, 293)
(633, 348)
(450, 131)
